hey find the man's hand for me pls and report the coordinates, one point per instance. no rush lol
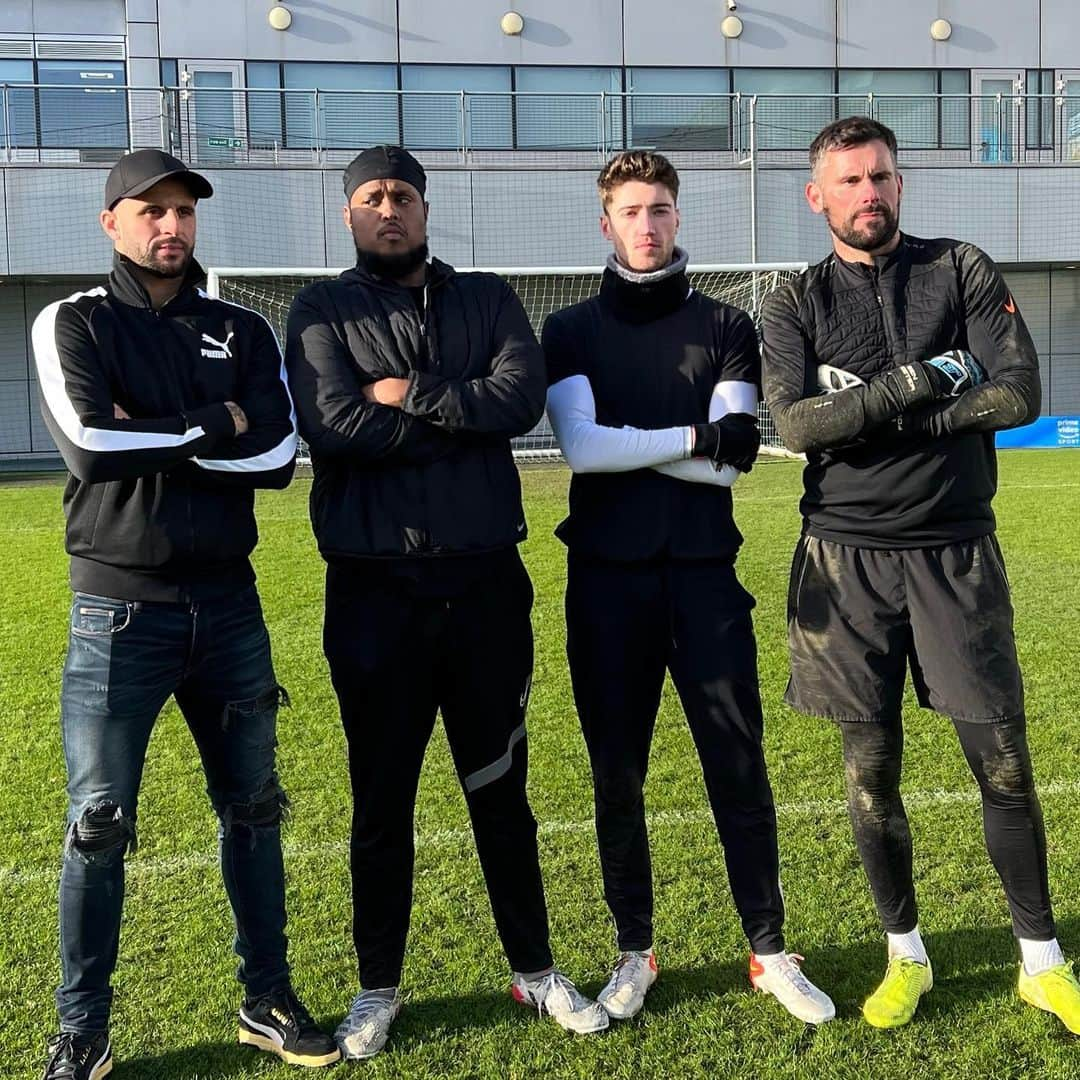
(240, 420)
(954, 371)
(387, 392)
(733, 439)
(119, 413)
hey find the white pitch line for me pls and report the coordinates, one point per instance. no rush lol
(160, 866)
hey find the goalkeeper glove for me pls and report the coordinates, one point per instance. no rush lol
(953, 372)
(733, 439)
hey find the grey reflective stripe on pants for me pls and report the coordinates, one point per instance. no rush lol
(499, 767)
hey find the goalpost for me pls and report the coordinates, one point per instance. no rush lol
(270, 290)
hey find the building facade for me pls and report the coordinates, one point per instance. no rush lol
(513, 105)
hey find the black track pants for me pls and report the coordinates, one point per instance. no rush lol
(397, 655)
(1012, 819)
(626, 625)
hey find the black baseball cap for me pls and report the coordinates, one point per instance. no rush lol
(138, 172)
(384, 163)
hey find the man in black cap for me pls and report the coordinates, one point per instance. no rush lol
(169, 409)
(410, 381)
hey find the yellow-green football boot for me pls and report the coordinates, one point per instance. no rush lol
(894, 1002)
(1055, 990)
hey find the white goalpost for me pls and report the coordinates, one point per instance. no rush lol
(270, 290)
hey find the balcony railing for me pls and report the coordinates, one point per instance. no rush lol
(214, 126)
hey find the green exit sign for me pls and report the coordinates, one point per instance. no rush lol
(224, 140)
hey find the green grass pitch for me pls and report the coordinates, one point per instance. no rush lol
(176, 995)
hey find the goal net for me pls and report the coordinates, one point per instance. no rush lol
(542, 291)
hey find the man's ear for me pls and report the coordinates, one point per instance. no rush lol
(815, 198)
(108, 225)
(605, 226)
(346, 213)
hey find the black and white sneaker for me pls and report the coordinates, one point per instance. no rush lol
(279, 1023)
(73, 1056)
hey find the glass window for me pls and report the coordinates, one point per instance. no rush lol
(791, 121)
(433, 120)
(1040, 109)
(547, 121)
(359, 109)
(693, 120)
(955, 111)
(92, 113)
(19, 114)
(914, 120)
(169, 75)
(265, 105)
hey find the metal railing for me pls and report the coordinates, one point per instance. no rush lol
(215, 126)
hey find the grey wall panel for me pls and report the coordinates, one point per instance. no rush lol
(1065, 310)
(450, 223)
(145, 71)
(714, 210)
(339, 245)
(776, 33)
(263, 217)
(43, 241)
(360, 30)
(1065, 385)
(556, 32)
(79, 17)
(1060, 33)
(3, 223)
(977, 205)
(14, 417)
(13, 333)
(17, 17)
(142, 10)
(142, 39)
(985, 34)
(788, 231)
(537, 219)
(1049, 225)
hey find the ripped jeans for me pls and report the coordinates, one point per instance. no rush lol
(125, 658)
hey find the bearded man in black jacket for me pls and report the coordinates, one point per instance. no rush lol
(170, 408)
(410, 381)
(652, 397)
(891, 364)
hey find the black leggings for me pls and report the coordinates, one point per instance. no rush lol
(1012, 819)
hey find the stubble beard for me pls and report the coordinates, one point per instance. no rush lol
(395, 266)
(151, 264)
(868, 239)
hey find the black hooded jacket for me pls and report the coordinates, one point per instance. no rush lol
(435, 477)
(160, 506)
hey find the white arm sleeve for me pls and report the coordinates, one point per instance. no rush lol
(727, 397)
(592, 447)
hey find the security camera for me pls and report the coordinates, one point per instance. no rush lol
(731, 5)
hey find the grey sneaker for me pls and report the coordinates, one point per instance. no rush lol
(625, 992)
(557, 996)
(364, 1031)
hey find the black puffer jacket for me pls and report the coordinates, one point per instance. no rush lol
(880, 476)
(435, 477)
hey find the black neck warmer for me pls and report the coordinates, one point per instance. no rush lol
(641, 298)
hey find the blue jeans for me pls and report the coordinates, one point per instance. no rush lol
(124, 660)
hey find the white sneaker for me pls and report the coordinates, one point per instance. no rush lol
(625, 992)
(786, 982)
(364, 1031)
(557, 996)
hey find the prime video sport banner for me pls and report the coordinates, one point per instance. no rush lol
(1046, 431)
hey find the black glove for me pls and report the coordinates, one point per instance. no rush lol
(732, 440)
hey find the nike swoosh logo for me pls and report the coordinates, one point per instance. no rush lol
(1009, 306)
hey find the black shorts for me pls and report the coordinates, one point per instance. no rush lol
(858, 616)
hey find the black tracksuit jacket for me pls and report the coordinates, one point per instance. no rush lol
(914, 478)
(161, 506)
(435, 477)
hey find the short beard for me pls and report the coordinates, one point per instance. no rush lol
(878, 236)
(150, 265)
(392, 266)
